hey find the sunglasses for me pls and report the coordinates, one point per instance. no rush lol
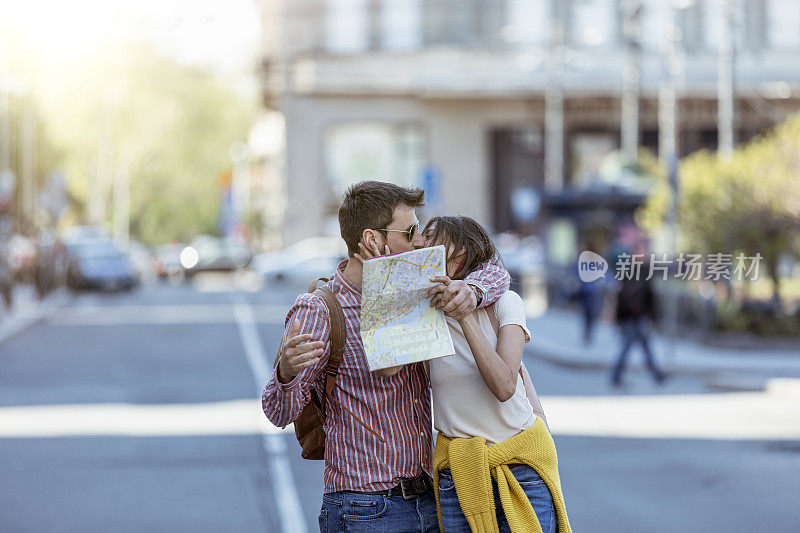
(409, 233)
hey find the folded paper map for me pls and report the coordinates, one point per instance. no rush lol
(398, 326)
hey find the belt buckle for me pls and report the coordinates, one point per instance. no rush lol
(416, 486)
(408, 493)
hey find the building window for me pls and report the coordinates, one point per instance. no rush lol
(347, 25)
(589, 151)
(526, 23)
(401, 24)
(653, 23)
(592, 23)
(755, 24)
(464, 23)
(690, 19)
(784, 24)
(357, 151)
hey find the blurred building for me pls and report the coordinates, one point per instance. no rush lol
(509, 110)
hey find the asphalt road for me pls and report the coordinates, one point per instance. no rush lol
(139, 412)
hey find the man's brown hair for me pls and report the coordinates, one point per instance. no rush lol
(371, 205)
(465, 235)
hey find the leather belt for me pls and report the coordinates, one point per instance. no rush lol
(409, 488)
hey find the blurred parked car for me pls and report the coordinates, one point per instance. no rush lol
(167, 262)
(301, 263)
(99, 264)
(141, 258)
(208, 253)
(85, 233)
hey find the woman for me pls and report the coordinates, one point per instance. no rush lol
(495, 466)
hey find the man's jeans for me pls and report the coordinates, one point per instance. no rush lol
(373, 513)
(535, 488)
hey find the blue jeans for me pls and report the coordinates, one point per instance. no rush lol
(535, 488)
(377, 513)
(635, 331)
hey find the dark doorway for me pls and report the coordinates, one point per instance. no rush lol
(517, 177)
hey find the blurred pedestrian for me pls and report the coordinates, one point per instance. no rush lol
(6, 270)
(591, 295)
(636, 302)
(44, 269)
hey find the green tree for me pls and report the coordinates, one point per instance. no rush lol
(749, 203)
(168, 124)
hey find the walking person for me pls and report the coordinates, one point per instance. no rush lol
(378, 439)
(591, 295)
(636, 302)
(495, 464)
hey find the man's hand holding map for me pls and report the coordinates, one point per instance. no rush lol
(398, 326)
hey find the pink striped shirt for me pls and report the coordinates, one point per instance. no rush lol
(397, 408)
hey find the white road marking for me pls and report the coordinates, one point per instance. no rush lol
(770, 415)
(236, 417)
(287, 499)
(121, 315)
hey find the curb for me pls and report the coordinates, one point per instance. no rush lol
(565, 361)
(737, 383)
(746, 378)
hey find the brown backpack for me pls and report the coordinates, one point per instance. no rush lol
(308, 427)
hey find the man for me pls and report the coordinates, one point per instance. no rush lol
(378, 430)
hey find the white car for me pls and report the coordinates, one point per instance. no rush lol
(301, 263)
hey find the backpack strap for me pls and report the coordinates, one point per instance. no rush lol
(338, 335)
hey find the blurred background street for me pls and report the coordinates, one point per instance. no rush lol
(170, 175)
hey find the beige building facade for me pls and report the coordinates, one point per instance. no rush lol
(453, 97)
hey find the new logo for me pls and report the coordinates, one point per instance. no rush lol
(591, 266)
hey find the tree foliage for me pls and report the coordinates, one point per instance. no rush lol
(749, 203)
(168, 124)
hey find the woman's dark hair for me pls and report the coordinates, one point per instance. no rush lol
(461, 233)
(371, 205)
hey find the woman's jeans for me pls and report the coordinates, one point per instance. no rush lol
(535, 488)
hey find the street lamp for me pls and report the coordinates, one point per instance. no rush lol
(668, 149)
(726, 106)
(631, 13)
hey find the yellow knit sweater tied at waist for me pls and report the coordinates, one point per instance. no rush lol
(473, 464)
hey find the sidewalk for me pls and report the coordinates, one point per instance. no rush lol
(557, 337)
(28, 309)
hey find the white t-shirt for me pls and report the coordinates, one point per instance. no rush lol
(463, 405)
